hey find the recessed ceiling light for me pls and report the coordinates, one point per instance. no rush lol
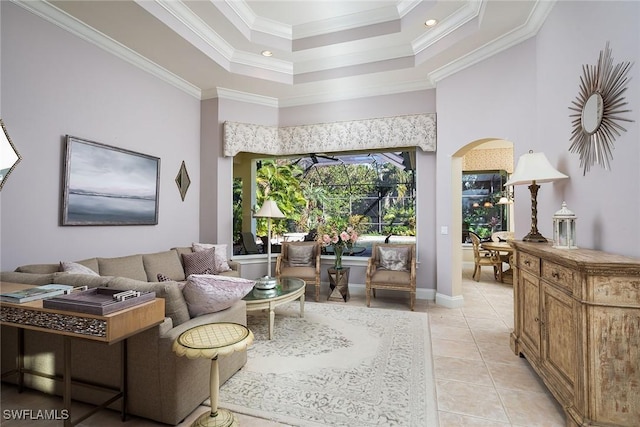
(267, 53)
(430, 22)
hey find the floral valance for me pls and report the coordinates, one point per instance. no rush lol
(417, 130)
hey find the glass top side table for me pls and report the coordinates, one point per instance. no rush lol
(210, 341)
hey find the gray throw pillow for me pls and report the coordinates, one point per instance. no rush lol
(394, 258)
(300, 255)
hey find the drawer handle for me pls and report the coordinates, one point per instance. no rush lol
(527, 262)
(555, 275)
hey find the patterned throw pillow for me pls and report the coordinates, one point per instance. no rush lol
(220, 261)
(163, 278)
(394, 258)
(75, 268)
(209, 294)
(201, 262)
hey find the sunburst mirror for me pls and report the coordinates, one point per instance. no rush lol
(598, 111)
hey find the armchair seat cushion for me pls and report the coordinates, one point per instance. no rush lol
(305, 273)
(391, 277)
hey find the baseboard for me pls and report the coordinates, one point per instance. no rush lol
(449, 301)
(360, 289)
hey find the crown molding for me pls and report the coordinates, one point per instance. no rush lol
(363, 92)
(535, 21)
(52, 14)
(250, 98)
(447, 26)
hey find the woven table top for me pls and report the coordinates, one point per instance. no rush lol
(213, 339)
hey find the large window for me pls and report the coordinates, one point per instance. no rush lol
(373, 192)
(481, 213)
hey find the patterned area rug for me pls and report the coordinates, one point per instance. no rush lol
(337, 366)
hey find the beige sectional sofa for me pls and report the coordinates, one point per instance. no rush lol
(161, 386)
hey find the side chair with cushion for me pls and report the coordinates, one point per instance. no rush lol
(392, 267)
(300, 260)
(482, 257)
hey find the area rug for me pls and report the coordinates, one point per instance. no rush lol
(338, 366)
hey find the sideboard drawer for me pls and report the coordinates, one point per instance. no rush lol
(558, 275)
(529, 262)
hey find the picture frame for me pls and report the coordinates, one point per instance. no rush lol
(106, 185)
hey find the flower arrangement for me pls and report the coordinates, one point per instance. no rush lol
(342, 240)
(339, 241)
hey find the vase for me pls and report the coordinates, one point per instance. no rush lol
(337, 251)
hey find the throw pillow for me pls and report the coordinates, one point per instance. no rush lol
(75, 268)
(300, 255)
(199, 262)
(394, 258)
(220, 262)
(163, 278)
(209, 293)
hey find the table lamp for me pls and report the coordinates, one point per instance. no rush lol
(534, 168)
(268, 210)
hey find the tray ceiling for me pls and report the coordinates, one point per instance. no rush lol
(322, 50)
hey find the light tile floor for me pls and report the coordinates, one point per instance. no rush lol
(479, 381)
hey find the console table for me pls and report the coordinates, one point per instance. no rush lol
(577, 322)
(108, 329)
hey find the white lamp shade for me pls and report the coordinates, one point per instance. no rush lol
(534, 167)
(269, 209)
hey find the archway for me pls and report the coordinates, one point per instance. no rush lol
(498, 155)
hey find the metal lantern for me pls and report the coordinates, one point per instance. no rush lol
(564, 228)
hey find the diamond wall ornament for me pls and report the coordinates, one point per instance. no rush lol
(183, 181)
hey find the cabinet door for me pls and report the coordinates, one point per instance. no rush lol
(560, 356)
(530, 306)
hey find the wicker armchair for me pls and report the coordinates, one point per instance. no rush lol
(392, 267)
(300, 260)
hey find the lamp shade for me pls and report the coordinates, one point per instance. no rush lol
(534, 167)
(269, 209)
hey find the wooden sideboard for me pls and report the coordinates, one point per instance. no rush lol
(577, 322)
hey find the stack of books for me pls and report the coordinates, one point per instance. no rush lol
(35, 293)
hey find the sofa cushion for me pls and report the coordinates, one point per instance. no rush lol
(76, 268)
(220, 264)
(175, 306)
(199, 262)
(88, 280)
(91, 263)
(394, 258)
(211, 293)
(127, 266)
(38, 268)
(27, 278)
(166, 263)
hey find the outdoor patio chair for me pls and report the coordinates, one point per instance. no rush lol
(249, 245)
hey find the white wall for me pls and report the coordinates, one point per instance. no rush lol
(607, 203)
(54, 84)
(494, 99)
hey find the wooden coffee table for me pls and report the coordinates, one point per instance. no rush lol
(287, 289)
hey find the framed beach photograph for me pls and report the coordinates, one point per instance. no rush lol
(105, 185)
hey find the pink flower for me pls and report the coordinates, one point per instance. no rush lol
(326, 239)
(344, 236)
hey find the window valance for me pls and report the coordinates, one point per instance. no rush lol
(417, 130)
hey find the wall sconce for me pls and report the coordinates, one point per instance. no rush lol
(564, 228)
(534, 168)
